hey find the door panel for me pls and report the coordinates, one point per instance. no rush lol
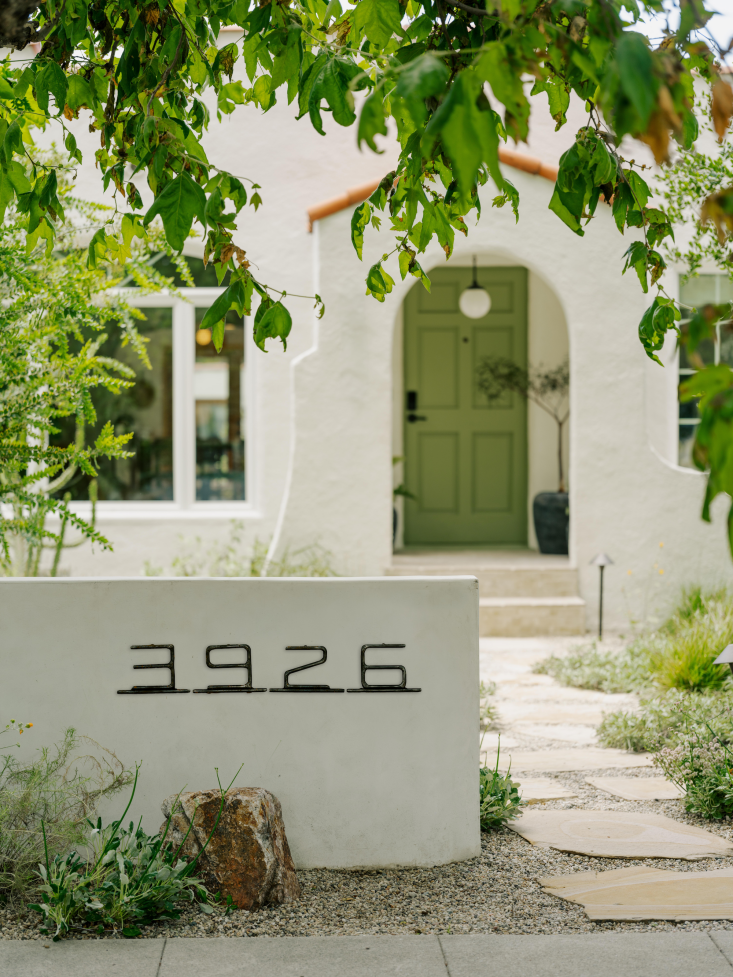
(438, 467)
(492, 472)
(438, 367)
(465, 460)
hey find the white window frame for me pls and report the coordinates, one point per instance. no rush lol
(184, 503)
(685, 372)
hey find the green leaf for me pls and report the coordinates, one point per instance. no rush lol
(656, 322)
(359, 220)
(636, 71)
(557, 206)
(287, 63)
(378, 19)
(334, 87)
(272, 321)
(637, 257)
(371, 123)
(494, 66)
(181, 200)
(51, 78)
(378, 282)
(233, 297)
(425, 77)
(79, 94)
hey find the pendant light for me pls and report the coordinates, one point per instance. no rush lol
(475, 301)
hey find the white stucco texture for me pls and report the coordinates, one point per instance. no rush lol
(368, 779)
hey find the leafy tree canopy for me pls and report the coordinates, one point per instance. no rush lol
(454, 77)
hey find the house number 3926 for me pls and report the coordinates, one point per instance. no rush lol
(246, 664)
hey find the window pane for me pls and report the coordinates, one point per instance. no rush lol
(687, 439)
(698, 291)
(706, 352)
(689, 411)
(726, 344)
(146, 409)
(219, 387)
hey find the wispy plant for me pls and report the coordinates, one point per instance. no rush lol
(232, 558)
(59, 788)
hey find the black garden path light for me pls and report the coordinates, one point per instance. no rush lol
(725, 657)
(602, 561)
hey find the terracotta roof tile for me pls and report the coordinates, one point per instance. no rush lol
(518, 161)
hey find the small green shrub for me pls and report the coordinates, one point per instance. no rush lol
(663, 720)
(499, 797)
(131, 879)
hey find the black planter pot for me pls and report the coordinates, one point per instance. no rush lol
(551, 522)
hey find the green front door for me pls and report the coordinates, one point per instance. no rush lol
(465, 462)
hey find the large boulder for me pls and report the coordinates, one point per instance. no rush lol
(248, 857)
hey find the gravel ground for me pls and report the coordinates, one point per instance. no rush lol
(497, 892)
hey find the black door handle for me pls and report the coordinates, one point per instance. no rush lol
(415, 417)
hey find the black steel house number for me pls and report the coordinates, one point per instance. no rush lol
(287, 686)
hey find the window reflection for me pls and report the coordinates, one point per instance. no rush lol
(145, 409)
(700, 291)
(219, 394)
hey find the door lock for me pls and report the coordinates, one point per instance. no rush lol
(415, 417)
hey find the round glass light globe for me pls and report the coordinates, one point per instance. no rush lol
(474, 302)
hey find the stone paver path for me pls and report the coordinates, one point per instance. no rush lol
(538, 714)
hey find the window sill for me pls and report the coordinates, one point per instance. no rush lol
(166, 511)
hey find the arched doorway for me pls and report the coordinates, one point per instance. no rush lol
(465, 462)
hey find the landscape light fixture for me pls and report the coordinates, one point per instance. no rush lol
(601, 561)
(475, 301)
(725, 657)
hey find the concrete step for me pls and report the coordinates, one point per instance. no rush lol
(500, 581)
(525, 617)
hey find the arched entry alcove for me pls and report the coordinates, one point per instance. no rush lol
(474, 469)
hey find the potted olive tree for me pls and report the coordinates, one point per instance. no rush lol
(548, 389)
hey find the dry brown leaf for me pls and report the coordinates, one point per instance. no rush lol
(664, 98)
(718, 209)
(657, 136)
(722, 107)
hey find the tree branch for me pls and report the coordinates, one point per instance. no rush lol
(470, 10)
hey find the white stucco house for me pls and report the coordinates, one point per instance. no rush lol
(299, 445)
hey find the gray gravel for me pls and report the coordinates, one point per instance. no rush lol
(497, 892)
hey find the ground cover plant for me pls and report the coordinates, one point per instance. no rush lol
(701, 763)
(54, 792)
(678, 655)
(128, 878)
(662, 720)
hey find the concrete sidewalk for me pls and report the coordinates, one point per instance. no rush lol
(585, 955)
